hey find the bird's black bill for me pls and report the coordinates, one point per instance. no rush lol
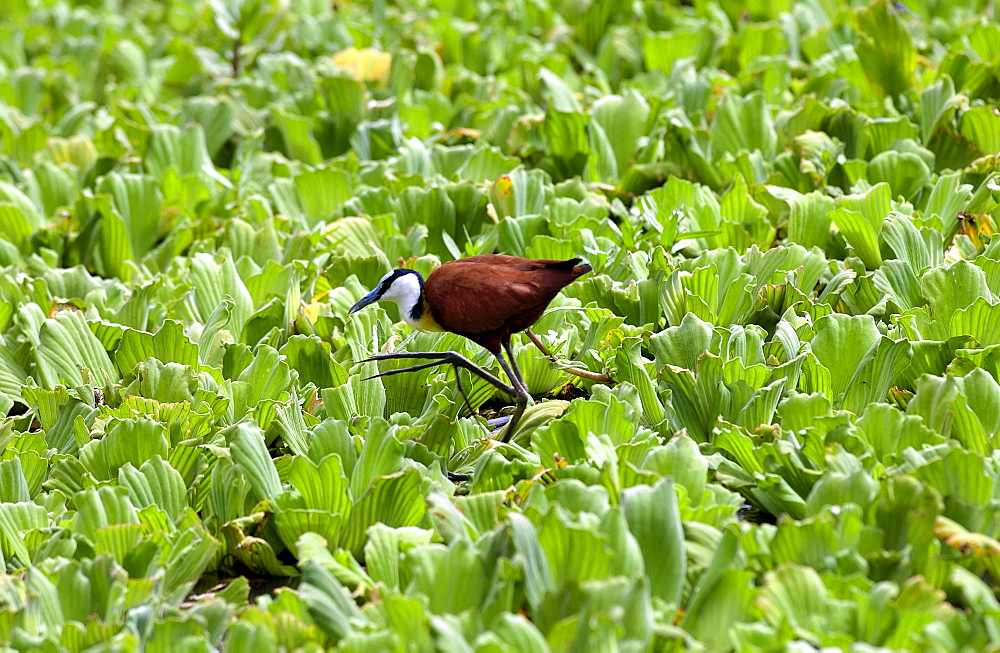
(370, 298)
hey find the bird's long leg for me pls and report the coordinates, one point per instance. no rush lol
(518, 379)
(439, 358)
(516, 389)
(583, 374)
(461, 389)
(522, 395)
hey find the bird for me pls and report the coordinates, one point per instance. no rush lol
(487, 299)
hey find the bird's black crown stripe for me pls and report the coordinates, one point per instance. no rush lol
(418, 309)
(395, 275)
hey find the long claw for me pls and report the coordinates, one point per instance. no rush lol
(461, 389)
(583, 374)
(517, 389)
(412, 368)
(432, 355)
(440, 358)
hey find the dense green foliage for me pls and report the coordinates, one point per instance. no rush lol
(788, 208)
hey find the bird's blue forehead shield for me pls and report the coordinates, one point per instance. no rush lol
(370, 298)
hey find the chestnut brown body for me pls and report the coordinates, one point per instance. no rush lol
(485, 298)
(488, 298)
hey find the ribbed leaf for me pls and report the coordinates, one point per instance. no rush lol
(841, 344)
(982, 128)
(905, 172)
(949, 289)
(588, 551)
(538, 579)
(809, 219)
(292, 523)
(137, 202)
(168, 344)
(16, 520)
(381, 455)
(98, 508)
(212, 281)
(15, 226)
(323, 192)
(744, 124)
(394, 500)
(155, 483)
(885, 49)
(67, 344)
(251, 457)
(13, 485)
(654, 521)
(981, 320)
(327, 600)
(127, 441)
(453, 578)
(876, 373)
(323, 487)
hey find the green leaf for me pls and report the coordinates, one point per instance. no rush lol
(809, 219)
(181, 149)
(876, 373)
(654, 521)
(632, 370)
(392, 500)
(137, 202)
(452, 578)
(623, 119)
(905, 172)
(127, 441)
(66, 345)
(982, 128)
(215, 279)
(296, 131)
(322, 486)
(323, 192)
(920, 248)
(795, 595)
(13, 485)
(381, 455)
(840, 345)
(169, 344)
(250, 455)
(17, 519)
(951, 288)
(561, 95)
(885, 49)
(980, 320)
(860, 218)
(538, 580)
(744, 124)
(565, 134)
(661, 50)
(155, 483)
(723, 595)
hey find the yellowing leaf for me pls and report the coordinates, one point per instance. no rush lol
(312, 309)
(366, 64)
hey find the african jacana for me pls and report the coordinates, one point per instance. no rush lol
(485, 298)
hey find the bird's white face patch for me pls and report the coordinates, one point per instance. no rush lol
(405, 291)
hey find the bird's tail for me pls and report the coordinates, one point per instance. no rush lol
(571, 264)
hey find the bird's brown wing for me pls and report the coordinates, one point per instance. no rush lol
(514, 262)
(482, 298)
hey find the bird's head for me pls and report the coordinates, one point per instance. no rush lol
(401, 286)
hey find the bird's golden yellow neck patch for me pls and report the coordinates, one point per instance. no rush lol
(425, 322)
